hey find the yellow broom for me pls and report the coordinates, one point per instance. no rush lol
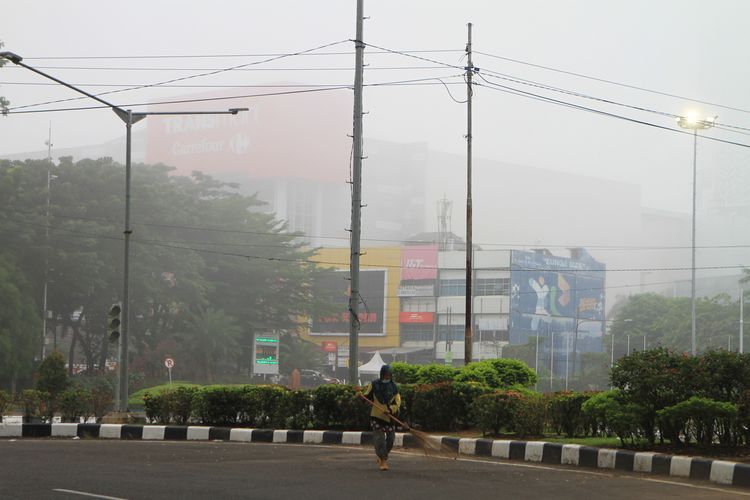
(430, 445)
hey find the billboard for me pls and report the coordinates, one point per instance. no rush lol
(333, 286)
(416, 317)
(557, 297)
(419, 262)
(298, 135)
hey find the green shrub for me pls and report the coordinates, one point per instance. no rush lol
(436, 407)
(337, 406)
(262, 406)
(494, 411)
(53, 377)
(75, 404)
(565, 415)
(699, 419)
(101, 401)
(218, 405)
(612, 414)
(436, 374)
(498, 373)
(296, 410)
(529, 415)
(6, 401)
(404, 373)
(32, 402)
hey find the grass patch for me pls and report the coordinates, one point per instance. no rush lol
(608, 442)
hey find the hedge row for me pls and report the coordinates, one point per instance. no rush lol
(71, 404)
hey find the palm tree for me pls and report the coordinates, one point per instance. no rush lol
(211, 337)
(295, 352)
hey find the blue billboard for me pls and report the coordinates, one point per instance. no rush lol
(558, 299)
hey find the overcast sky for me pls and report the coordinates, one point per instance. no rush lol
(695, 48)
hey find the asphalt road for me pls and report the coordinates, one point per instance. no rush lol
(40, 469)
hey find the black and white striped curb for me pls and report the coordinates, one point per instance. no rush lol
(717, 471)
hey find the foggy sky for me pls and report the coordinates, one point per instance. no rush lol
(692, 48)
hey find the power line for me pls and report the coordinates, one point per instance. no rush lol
(208, 73)
(239, 85)
(307, 68)
(374, 265)
(209, 56)
(611, 82)
(523, 93)
(383, 240)
(245, 96)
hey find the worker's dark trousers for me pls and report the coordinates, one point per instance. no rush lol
(383, 435)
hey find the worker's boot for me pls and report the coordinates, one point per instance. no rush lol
(385, 464)
(382, 464)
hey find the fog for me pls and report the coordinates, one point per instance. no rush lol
(545, 175)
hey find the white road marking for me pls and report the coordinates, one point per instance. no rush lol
(84, 494)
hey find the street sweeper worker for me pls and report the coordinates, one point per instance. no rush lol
(383, 392)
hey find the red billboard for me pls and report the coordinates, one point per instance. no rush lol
(419, 262)
(416, 317)
(301, 135)
(329, 346)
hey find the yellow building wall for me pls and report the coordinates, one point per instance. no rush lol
(387, 258)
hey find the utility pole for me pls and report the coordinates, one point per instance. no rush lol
(48, 142)
(742, 320)
(356, 223)
(693, 342)
(468, 323)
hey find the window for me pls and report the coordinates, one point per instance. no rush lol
(451, 332)
(416, 333)
(453, 287)
(493, 286)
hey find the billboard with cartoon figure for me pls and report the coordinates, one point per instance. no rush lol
(558, 299)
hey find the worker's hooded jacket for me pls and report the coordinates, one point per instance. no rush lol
(384, 393)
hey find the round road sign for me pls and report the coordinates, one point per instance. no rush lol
(169, 363)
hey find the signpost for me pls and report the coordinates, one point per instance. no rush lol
(266, 354)
(169, 363)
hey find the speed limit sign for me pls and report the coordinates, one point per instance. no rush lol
(169, 363)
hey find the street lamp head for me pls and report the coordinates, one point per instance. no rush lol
(234, 111)
(692, 121)
(14, 58)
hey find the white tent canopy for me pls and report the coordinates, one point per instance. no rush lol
(372, 367)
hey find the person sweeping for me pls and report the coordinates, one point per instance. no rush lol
(385, 401)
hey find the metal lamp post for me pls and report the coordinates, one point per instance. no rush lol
(130, 118)
(692, 122)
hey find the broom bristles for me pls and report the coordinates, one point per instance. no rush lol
(432, 445)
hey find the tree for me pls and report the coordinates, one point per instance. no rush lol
(53, 379)
(19, 325)
(296, 352)
(665, 321)
(197, 246)
(210, 336)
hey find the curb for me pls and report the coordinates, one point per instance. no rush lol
(717, 471)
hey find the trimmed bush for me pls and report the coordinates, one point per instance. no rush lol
(53, 377)
(75, 404)
(404, 373)
(498, 373)
(296, 410)
(610, 414)
(699, 419)
(529, 415)
(436, 407)
(6, 401)
(32, 402)
(565, 414)
(218, 405)
(262, 406)
(337, 406)
(495, 411)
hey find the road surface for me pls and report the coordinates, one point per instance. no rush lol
(73, 469)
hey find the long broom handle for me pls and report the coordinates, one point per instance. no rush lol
(373, 403)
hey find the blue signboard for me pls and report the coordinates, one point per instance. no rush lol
(557, 298)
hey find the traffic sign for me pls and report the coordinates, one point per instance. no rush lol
(169, 363)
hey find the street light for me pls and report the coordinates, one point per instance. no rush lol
(691, 121)
(130, 118)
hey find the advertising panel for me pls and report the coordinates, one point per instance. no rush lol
(301, 135)
(419, 262)
(266, 353)
(334, 287)
(557, 297)
(416, 317)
